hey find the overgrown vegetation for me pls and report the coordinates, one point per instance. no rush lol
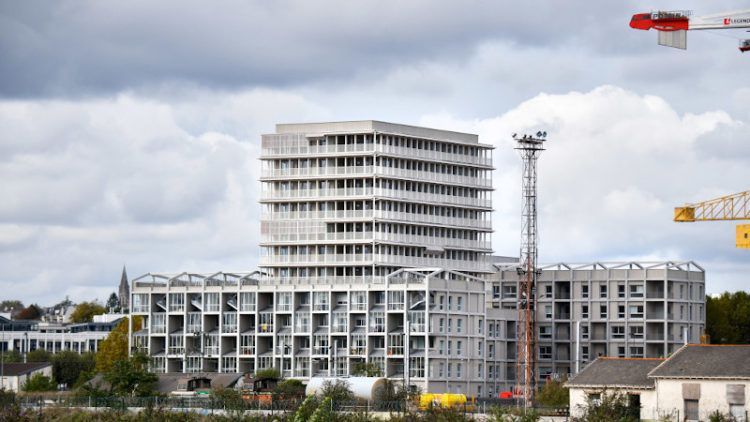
(366, 369)
(553, 394)
(39, 382)
(608, 407)
(512, 414)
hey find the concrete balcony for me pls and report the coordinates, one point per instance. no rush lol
(343, 259)
(433, 241)
(433, 198)
(309, 194)
(306, 151)
(433, 219)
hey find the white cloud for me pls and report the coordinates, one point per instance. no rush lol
(158, 185)
(615, 165)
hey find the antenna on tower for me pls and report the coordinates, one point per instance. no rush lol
(529, 148)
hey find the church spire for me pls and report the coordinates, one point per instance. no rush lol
(124, 290)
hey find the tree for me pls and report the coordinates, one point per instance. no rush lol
(268, 373)
(68, 366)
(290, 388)
(38, 355)
(113, 303)
(31, 312)
(39, 382)
(231, 400)
(7, 305)
(115, 346)
(610, 406)
(728, 318)
(554, 394)
(130, 377)
(12, 357)
(85, 312)
(337, 390)
(367, 369)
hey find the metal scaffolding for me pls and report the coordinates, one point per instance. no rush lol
(529, 147)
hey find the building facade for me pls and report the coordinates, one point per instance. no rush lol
(375, 248)
(364, 199)
(424, 326)
(624, 309)
(24, 336)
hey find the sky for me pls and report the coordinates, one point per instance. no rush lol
(130, 131)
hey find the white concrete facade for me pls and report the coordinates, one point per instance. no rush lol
(244, 323)
(624, 309)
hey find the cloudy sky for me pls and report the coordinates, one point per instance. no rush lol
(129, 131)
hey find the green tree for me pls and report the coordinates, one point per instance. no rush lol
(130, 377)
(68, 366)
(7, 305)
(306, 409)
(367, 369)
(115, 347)
(324, 412)
(553, 394)
(337, 390)
(728, 318)
(85, 312)
(38, 355)
(113, 303)
(231, 400)
(290, 388)
(39, 382)
(610, 406)
(12, 357)
(269, 373)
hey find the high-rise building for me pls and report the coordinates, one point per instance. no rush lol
(364, 199)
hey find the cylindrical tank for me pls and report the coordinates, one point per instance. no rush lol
(364, 388)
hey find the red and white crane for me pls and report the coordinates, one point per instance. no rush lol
(673, 25)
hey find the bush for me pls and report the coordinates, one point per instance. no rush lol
(513, 414)
(290, 388)
(610, 407)
(39, 382)
(270, 373)
(338, 391)
(38, 355)
(554, 394)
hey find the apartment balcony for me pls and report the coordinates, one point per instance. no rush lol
(306, 151)
(324, 280)
(433, 219)
(406, 152)
(354, 215)
(433, 241)
(309, 194)
(343, 259)
(466, 201)
(141, 309)
(311, 236)
(317, 172)
(434, 177)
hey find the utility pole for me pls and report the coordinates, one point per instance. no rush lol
(529, 147)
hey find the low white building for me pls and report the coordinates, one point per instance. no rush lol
(695, 382)
(15, 375)
(628, 376)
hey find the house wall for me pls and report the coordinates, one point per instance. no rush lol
(713, 396)
(15, 383)
(578, 398)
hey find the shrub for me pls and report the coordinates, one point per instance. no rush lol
(513, 414)
(610, 407)
(39, 382)
(553, 394)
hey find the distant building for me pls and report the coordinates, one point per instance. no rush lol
(24, 336)
(693, 383)
(15, 375)
(124, 291)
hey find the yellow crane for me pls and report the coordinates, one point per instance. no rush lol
(730, 207)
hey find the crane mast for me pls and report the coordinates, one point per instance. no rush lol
(529, 148)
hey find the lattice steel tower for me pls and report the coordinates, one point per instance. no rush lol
(529, 147)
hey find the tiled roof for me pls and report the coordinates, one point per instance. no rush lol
(616, 372)
(707, 361)
(16, 369)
